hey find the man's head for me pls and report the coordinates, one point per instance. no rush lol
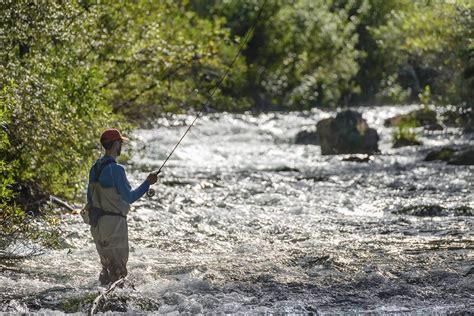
(112, 140)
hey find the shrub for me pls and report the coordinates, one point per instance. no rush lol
(428, 44)
(52, 111)
(404, 134)
(22, 232)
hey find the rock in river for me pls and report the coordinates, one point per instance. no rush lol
(403, 142)
(443, 154)
(459, 117)
(464, 157)
(347, 133)
(432, 210)
(357, 158)
(434, 127)
(422, 117)
(307, 138)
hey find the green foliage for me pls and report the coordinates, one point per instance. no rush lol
(7, 168)
(17, 225)
(53, 111)
(373, 78)
(56, 105)
(390, 91)
(318, 55)
(302, 54)
(425, 97)
(427, 43)
(324, 53)
(156, 55)
(466, 86)
(405, 135)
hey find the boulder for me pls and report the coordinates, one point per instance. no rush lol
(347, 133)
(464, 157)
(422, 117)
(434, 127)
(306, 137)
(459, 117)
(443, 154)
(403, 142)
(357, 158)
(469, 130)
(433, 210)
(423, 210)
(450, 119)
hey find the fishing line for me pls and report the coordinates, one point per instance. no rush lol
(151, 192)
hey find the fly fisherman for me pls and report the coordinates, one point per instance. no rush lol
(109, 196)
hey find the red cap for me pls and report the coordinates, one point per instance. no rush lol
(111, 135)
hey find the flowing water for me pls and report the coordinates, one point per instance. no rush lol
(245, 221)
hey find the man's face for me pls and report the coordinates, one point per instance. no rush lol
(119, 148)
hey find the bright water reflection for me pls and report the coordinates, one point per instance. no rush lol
(245, 221)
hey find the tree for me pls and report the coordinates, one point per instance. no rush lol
(429, 45)
(70, 69)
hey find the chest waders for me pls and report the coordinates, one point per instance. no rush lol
(108, 218)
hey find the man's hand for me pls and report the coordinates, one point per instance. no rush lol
(152, 177)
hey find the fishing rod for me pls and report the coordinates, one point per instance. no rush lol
(151, 192)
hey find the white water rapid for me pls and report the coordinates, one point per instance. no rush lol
(245, 221)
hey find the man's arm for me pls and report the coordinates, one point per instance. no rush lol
(124, 188)
(89, 194)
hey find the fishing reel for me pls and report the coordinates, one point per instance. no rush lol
(150, 193)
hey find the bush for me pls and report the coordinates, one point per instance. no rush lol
(428, 44)
(22, 232)
(301, 54)
(404, 134)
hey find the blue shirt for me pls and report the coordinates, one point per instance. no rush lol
(113, 175)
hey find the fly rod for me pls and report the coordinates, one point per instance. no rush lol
(151, 192)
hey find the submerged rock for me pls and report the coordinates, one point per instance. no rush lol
(435, 210)
(459, 117)
(422, 117)
(306, 137)
(315, 178)
(347, 133)
(465, 157)
(423, 210)
(464, 211)
(285, 169)
(434, 127)
(403, 142)
(443, 154)
(357, 158)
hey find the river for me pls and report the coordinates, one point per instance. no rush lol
(245, 221)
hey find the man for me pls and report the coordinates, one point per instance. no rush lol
(109, 196)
